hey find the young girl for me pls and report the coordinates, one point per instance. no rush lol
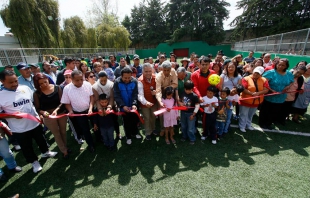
(224, 104)
(170, 116)
(210, 104)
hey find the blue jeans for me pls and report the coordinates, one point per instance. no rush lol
(245, 116)
(188, 126)
(107, 135)
(6, 154)
(228, 119)
(220, 126)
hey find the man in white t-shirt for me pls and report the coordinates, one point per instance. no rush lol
(78, 98)
(18, 99)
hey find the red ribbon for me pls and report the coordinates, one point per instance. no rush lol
(271, 94)
(31, 117)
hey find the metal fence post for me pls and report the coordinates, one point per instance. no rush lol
(306, 41)
(255, 45)
(266, 44)
(7, 57)
(280, 43)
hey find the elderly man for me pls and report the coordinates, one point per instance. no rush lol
(47, 69)
(25, 77)
(17, 98)
(146, 97)
(183, 76)
(167, 77)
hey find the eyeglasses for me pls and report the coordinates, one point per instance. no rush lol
(91, 76)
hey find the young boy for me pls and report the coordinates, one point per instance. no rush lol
(209, 117)
(105, 123)
(188, 117)
(224, 105)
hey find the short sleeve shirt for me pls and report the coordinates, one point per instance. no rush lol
(78, 97)
(210, 109)
(190, 100)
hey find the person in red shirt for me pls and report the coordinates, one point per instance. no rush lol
(200, 78)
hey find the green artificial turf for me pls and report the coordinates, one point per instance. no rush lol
(252, 164)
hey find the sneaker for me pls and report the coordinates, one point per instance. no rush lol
(192, 142)
(242, 130)
(138, 136)
(17, 147)
(203, 138)
(17, 169)
(49, 154)
(128, 141)
(148, 137)
(80, 141)
(183, 139)
(36, 167)
(251, 128)
(213, 141)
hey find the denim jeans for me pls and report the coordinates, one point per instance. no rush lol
(228, 119)
(107, 135)
(82, 123)
(188, 126)
(6, 154)
(245, 116)
(220, 127)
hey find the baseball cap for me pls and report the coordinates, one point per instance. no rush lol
(68, 72)
(136, 56)
(22, 65)
(259, 70)
(33, 65)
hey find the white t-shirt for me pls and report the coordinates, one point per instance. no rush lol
(19, 101)
(234, 98)
(210, 109)
(78, 97)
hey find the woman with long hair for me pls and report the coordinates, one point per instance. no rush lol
(47, 102)
(90, 77)
(83, 68)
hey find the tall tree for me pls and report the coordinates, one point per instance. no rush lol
(265, 17)
(75, 31)
(28, 21)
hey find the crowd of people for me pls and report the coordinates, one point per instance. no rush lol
(99, 96)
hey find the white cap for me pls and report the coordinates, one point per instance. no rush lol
(259, 70)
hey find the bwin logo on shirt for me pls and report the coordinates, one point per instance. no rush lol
(16, 104)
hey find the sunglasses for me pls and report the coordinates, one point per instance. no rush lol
(91, 76)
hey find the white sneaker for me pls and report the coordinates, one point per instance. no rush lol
(242, 130)
(250, 128)
(80, 141)
(138, 136)
(17, 147)
(128, 141)
(36, 167)
(49, 154)
(203, 138)
(213, 141)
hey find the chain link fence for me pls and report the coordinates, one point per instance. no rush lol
(35, 55)
(294, 43)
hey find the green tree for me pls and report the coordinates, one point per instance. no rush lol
(91, 38)
(75, 33)
(28, 21)
(263, 17)
(113, 37)
(198, 20)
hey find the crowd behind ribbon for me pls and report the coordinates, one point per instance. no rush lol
(99, 96)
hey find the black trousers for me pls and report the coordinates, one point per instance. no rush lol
(25, 142)
(131, 121)
(269, 113)
(81, 123)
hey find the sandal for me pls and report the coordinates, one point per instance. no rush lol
(167, 141)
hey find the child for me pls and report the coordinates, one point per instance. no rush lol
(210, 103)
(170, 116)
(188, 117)
(105, 124)
(224, 105)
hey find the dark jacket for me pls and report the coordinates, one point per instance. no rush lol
(125, 94)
